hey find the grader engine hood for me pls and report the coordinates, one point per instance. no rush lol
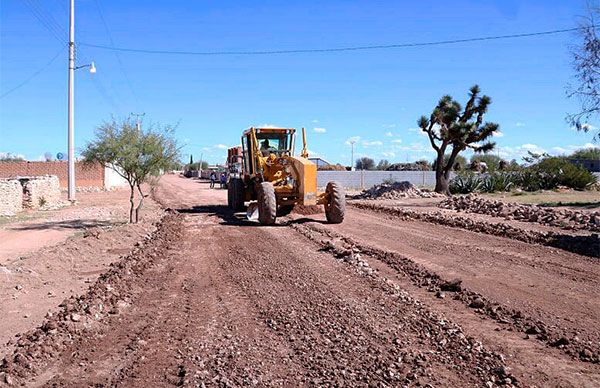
(305, 174)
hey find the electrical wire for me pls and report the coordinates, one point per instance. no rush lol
(32, 76)
(333, 49)
(112, 44)
(59, 33)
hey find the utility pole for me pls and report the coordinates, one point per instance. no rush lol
(138, 120)
(352, 157)
(71, 97)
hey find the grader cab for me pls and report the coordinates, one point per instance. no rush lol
(267, 175)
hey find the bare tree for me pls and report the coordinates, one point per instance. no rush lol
(586, 63)
(138, 156)
(449, 125)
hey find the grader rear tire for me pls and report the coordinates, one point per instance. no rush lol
(238, 194)
(235, 194)
(267, 203)
(335, 208)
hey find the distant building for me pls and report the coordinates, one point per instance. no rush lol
(319, 162)
(592, 165)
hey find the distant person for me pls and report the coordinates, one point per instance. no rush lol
(213, 179)
(223, 180)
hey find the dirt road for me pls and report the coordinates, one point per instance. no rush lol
(213, 300)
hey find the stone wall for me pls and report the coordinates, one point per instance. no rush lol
(41, 192)
(11, 197)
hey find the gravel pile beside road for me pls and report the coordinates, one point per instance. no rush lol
(396, 190)
(563, 218)
(106, 297)
(583, 245)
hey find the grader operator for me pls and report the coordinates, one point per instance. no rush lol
(266, 173)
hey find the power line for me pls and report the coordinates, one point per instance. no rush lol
(333, 49)
(60, 34)
(112, 44)
(26, 81)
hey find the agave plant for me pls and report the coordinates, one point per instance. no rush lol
(465, 184)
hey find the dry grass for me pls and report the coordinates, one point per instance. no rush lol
(588, 199)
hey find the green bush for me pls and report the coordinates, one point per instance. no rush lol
(465, 183)
(558, 171)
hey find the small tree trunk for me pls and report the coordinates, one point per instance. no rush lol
(131, 203)
(441, 183)
(441, 180)
(139, 207)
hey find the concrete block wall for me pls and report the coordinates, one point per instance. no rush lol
(11, 197)
(41, 191)
(366, 179)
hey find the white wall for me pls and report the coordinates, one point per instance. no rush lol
(112, 179)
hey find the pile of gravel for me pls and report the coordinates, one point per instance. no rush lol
(562, 218)
(396, 190)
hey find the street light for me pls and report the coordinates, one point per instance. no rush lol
(71, 100)
(352, 161)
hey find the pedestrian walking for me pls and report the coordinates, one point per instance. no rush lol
(213, 179)
(223, 180)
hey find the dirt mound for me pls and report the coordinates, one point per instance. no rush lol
(396, 190)
(563, 218)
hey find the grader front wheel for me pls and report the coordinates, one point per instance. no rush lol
(335, 208)
(267, 203)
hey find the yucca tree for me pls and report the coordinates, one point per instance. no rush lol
(452, 129)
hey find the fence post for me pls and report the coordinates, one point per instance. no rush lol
(362, 179)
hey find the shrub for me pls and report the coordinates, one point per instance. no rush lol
(465, 184)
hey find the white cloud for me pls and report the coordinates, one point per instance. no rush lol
(388, 154)
(397, 141)
(319, 130)
(315, 121)
(517, 152)
(353, 139)
(389, 125)
(11, 155)
(531, 147)
(220, 146)
(389, 134)
(519, 124)
(588, 127)
(414, 129)
(498, 134)
(374, 143)
(266, 126)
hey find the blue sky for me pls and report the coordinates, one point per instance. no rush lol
(372, 96)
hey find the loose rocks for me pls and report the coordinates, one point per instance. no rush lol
(396, 190)
(566, 219)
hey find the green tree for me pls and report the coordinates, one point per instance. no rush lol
(586, 153)
(586, 64)
(365, 163)
(137, 156)
(383, 165)
(450, 127)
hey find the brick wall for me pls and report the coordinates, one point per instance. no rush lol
(85, 175)
(11, 197)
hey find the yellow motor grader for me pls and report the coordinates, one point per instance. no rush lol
(266, 173)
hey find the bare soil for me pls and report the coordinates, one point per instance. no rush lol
(46, 256)
(209, 299)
